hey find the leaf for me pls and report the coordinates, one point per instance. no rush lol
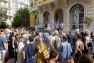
(21, 18)
(87, 21)
(3, 12)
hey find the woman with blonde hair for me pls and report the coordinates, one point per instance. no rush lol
(42, 48)
(87, 42)
(60, 33)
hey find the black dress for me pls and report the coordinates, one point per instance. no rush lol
(83, 39)
(12, 49)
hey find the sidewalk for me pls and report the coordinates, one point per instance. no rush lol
(11, 61)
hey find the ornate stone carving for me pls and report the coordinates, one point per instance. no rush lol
(76, 1)
(40, 9)
(49, 7)
(44, 7)
(59, 2)
(89, 0)
(52, 5)
(65, 2)
(56, 3)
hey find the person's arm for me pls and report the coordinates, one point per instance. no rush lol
(24, 50)
(23, 55)
(86, 45)
(6, 46)
(60, 49)
(82, 46)
(36, 51)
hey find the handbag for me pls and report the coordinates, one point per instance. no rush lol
(77, 55)
(90, 44)
(46, 54)
(7, 57)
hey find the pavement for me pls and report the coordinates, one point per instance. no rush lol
(11, 61)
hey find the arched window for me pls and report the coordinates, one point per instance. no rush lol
(76, 16)
(58, 15)
(46, 17)
(36, 19)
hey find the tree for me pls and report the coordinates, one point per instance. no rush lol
(21, 18)
(3, 24)
(3, 12)
(87, 21)
(3, 17)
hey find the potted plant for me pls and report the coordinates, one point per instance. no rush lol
(87, 21)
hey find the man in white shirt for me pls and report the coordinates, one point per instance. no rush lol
(76, 30)
(57, 26)
(41, 27)
(61, 26)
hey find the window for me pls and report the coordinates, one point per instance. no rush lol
(16, 10)
(31, 5)
(9, 11)
(76, 15)
(16, 4)
(9, 18)
(9, 6)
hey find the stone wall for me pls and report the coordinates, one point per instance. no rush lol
(90, 13)
(66, 6)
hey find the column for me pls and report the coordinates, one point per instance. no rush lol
(40, 17)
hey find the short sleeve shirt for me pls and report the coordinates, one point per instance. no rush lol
(2, 41)
(30, 50)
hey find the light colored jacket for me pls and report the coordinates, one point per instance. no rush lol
(20, 50)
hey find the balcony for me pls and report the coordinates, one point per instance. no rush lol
(34, 8)
(9, 13)
(44, 3)
(6, 1)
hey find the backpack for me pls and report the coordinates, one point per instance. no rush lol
(57, 42)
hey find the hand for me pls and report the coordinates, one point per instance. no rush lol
(39, 51)
(23, 57)
(33, 56)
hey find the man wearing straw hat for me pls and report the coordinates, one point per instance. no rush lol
(57, 40)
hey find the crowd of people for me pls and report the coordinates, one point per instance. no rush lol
(55, 25)
(58, 46)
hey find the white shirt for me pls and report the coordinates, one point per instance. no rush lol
(57, 25)
(20, 50)
(76, 30)
(61, 25)
(40, 26)
(36, 26)
(48, 28)
(87, 39)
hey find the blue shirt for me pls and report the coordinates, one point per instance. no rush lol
(2, 41)
(30, 50)
(65, 50)
(70, 39)
(45, 36)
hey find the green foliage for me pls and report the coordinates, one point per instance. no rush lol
(87, 21)
(21, 18)
(3, 24)
(3, 12)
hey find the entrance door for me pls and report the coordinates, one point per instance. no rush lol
(46, 17)
(58, 15)
(36, 20)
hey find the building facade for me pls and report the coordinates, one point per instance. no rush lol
(12, 6)
(70, 12)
